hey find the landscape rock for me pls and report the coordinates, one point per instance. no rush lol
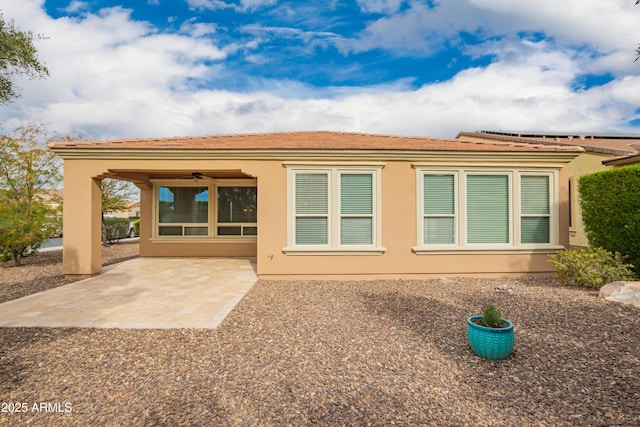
(624, 292)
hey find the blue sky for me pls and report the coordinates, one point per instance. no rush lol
(155, 68)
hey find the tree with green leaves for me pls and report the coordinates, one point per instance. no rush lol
(29, 177)
(18, 57)
(116, 195)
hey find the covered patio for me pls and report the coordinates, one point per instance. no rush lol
(181, 208)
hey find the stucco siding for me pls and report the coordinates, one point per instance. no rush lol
(399, 236)
(584, 164)
(396, 251)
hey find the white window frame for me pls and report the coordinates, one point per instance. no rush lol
(212, 236)
(514, 172)
(334, 171)
(421, 215)
(463, 201)
(553, 219)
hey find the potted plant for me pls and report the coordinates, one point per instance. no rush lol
(490, 336)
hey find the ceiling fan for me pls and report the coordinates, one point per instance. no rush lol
(197, 176)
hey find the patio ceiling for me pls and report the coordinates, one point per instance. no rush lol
(142, 178)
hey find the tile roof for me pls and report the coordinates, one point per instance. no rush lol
(614, 145)
(312, 140)
(628, 159)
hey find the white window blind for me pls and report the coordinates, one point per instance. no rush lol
(356, 209)
(535, 210)
(311, 208)
(488, 209)
(439, 209)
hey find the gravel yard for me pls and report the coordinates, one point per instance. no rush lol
(340, 353)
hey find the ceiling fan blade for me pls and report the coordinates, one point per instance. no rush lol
(198, 176)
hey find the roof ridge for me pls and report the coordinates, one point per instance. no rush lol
(310, 140)
(258, 134)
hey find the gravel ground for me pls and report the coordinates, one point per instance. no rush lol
(341, 353)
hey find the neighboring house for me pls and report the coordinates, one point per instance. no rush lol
(601, 152)
(328, 204)
(51, 198)
(132, 211)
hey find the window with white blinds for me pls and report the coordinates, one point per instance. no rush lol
(473, 208)
(356, 208)
(488, 209)
(535, 210)
(439, 210)
(312, 208)
(334, 208)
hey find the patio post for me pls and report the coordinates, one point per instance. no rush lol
(82, 221)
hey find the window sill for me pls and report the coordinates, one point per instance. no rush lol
(488, 251)
(205, 239)
(334, 251)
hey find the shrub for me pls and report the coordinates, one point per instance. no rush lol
(116, 229)
(610, 203)
(136, 226)
(590, 267)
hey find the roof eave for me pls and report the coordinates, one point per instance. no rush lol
(622, 161)
(563, 156)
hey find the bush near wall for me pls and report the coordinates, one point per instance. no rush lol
(590, 267)
(116, 229)
(610, 202)
(136, 227)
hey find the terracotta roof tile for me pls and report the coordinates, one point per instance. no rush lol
(321, 140)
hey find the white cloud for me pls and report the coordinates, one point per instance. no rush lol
(197, 29)
(413, 30)
(77, 6)
(380, 6)
(114, 77)
(256, 4)
(602, 27)
(210, 4)
(245, 5)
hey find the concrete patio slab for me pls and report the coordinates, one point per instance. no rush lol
(161, 293)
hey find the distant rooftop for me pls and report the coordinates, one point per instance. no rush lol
(587, 135)
(611, 144)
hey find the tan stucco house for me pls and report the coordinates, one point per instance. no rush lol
(132, 210)
(328, 204)
(601, 152)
